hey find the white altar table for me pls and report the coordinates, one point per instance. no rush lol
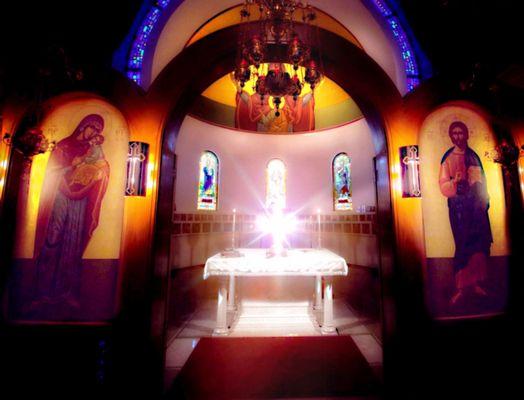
(316, 263)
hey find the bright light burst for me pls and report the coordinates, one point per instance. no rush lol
(278, 225)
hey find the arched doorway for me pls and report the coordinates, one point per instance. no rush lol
(187, 76)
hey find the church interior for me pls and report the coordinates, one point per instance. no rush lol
(261, 199)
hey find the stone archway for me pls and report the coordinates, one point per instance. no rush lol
(212, 57)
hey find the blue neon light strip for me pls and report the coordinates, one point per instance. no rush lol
(383, 8)
(408, 55)
(138, 49)
(136, 56)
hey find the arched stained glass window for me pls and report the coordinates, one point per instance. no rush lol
(208, 182)
(342, 182)
(276, 184)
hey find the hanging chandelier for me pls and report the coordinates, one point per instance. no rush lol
(275, 30)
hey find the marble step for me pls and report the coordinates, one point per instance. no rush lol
(274, 313)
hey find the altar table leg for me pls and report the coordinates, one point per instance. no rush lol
(327, 324)
(318, 293)
(231, 295)
(221, 326)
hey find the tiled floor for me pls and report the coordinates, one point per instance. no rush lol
(259, 318)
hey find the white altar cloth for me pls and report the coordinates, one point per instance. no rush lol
(255, 262)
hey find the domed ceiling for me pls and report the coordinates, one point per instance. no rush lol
(327, 107)
(332, 105)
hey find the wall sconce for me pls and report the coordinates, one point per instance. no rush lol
(506, 153)
(409, 167)
(136, 181)
(30, 143)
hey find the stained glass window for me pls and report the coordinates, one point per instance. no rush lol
(276, 185)
(208, 182)
(342, 182)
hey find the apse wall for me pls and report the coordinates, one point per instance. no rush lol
(243, 158)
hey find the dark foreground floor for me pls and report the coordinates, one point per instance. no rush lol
(275, 367)
(480, 359)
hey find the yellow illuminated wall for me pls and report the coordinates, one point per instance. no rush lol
(4, 156)
(434, 141)
(333, 106)
(327, 93)
(57, 125)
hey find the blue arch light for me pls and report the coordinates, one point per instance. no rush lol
(140, 43)
(138, 48)
(408, 55)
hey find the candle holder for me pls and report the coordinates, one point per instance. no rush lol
(319, 231)
(232, 251)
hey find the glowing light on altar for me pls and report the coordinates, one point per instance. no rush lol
(278, 225)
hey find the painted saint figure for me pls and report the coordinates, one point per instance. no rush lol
(342, 178)
(207, 181)
(342, 182)
(254, 112)
(75, 183)
(300, 113)
(209, 175)
(463, 182)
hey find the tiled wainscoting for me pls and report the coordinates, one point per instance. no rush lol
(196, 237)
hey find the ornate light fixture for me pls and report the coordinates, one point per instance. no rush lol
(55, 74)
(275, 26)
(506, 153)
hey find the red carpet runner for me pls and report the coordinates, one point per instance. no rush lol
(231, 368)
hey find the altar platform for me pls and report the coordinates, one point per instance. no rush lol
(321, 264)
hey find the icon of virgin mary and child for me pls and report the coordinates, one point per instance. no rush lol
(74, 186)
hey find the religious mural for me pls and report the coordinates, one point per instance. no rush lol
(68, 243)
(464, 216)
(261, 112)
(225, 102)
(208, 182)
(342, 183)
(255, 113)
